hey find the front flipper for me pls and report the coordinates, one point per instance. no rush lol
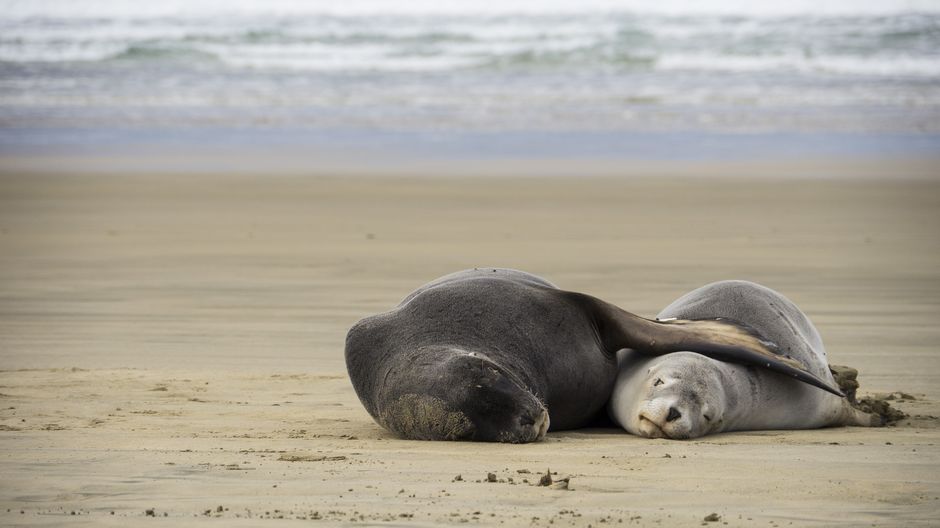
(720, 339)
(729, 341)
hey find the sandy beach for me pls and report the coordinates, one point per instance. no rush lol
(171, 344)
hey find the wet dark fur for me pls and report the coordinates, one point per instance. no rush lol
(531, 334)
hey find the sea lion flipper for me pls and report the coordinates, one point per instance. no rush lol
(726, 340)
(720, 339)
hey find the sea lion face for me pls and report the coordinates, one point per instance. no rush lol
(471, 398)
(684, 398)
(498, 405)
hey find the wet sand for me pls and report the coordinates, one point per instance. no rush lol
(173, 343)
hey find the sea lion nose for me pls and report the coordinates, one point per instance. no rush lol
(673, 415)
(537, 425)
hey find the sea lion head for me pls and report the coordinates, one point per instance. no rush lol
(683, 397)
(458, 395)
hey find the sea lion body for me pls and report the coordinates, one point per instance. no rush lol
(687, 395)
(502, 355)
(429, 368)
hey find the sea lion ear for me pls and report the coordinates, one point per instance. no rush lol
(720, 339)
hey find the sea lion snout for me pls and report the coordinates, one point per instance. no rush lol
(538, 424)
(664, 419)
(682, 399)
(497, 402)
(452, 394)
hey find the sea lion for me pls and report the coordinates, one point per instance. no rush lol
(502, 355)
(687, 395)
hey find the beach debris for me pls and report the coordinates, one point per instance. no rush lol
(898, 395)
(149, 512)
(712, 517)
(309, 458)
(874, 405)
(491, 477)
(458, 478)
(562, 484)
(546, 479)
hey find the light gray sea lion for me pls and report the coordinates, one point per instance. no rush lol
(687, 395)
(498, 355)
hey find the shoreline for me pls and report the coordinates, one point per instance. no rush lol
(256, 149)
(294, 162)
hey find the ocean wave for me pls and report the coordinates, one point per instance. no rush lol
(566, 59)
(885, 66)
(318, 56)
(12, 51)
(85, 52)
(903, 44)
(299, 62)
(161, 53)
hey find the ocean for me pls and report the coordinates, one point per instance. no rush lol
(459, 78)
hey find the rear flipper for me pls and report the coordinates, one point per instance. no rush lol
(720, 339)
(856, 416)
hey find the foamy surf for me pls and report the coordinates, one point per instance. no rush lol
(719, 66)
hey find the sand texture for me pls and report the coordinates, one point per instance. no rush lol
(171, 345)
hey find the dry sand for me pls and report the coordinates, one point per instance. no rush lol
(173, 343)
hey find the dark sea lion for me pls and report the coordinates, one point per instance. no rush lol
(687, 395)
(498, 355)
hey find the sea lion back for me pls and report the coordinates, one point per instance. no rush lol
(768, 312)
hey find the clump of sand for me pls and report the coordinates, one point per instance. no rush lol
(877, 404)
